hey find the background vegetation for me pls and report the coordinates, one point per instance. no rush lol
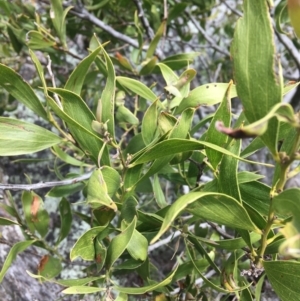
(146, 148)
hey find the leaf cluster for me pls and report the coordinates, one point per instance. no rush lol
(141, 154)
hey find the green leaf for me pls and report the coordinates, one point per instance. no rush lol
(287, 147)
(138, 246)
(58, 16)
(259, 285)
(181, 86)
(137, 87)
(149, 123)
(65, 190)
(65, 219)
(212, 206)
(289, 87)
(139, 30)
(82, 132)
(98, 194)
(254, 39)
(106, 104)
(178, 61)
(246, 295)
(20, 137)
(62, 155)
(222, 209)
(166, 123)
(16, 248)
(229, 275)
(281, 16)
(234, 243)
(158, 192)
(148, 66)
(282, 111)
(7, 222)
(123, 61)
(223, 114)
(77, 109)
(124, 115)
(257, 143)
(175, 146)
(247, 176)
(11, 208)
(287, 203)
(37, 218)
(67, 282)
(103, 215)
(119, 244)
(256, 195)
(228, 178)
(207, 281)
(201, 124)
(49, 267)
(77, 77)
(284, 277)
(176, 11)
(77, 282)
(14, 84)
(122, 297)
(39, 69)
(132, 176)
(15, 42)
(183, 124)
(76, 290)
(154, 42)
(112, 179)
(84, 246)
(168, 74)
(130, 264)
(38, 40)
(178, 130)
(253, 146)
(100, 253)
(205, 95)
(145, 289)
(273, 247)
(198, 246)
(128, 211)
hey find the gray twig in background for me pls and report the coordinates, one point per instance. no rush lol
(144, 20)
(35, 186)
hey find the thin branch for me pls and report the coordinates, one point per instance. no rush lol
(53, 82)
(86, 15)
(165, 10)
(144, 20)
(165, 29)
(290, 47)
(217, 72)
(220, 230)
(75, 56)
(35, 186)
(212, 43)
(167, 239)
(235, 11)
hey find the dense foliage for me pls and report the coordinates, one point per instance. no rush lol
(140, 103)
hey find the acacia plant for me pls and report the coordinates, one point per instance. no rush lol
(134, 147)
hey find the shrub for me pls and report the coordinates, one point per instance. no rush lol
(140, 154)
